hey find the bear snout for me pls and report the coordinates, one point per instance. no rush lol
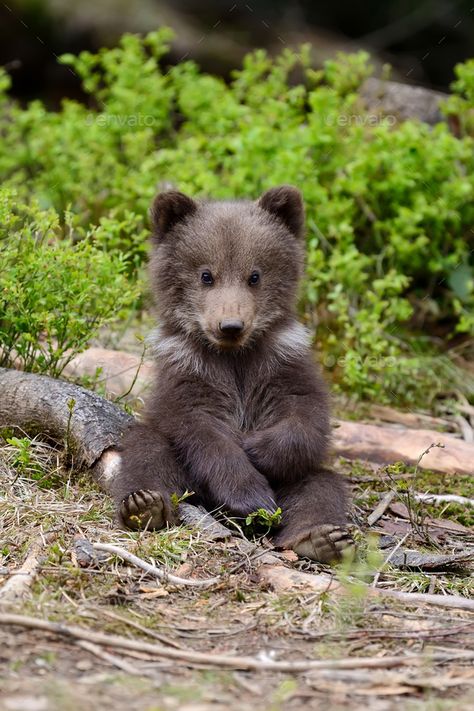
(227, 316)
(231, 327)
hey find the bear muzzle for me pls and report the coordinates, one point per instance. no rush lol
(227, 316)
(231, 327)
(228, 333)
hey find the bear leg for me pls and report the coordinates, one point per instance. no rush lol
(314, 520)
(149, 475)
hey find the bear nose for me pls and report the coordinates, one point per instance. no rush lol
(231, 326)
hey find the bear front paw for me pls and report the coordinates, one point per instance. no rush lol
(143, 509)
(250, 498)
(324, 544)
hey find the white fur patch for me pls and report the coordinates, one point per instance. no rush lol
(109, 468)
(178, 351)
(291, 341)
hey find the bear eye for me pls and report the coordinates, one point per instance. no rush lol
(254, 278)
(207, 278)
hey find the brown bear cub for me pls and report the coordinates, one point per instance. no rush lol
(239, 414)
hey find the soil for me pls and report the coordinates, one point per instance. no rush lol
(43, 671)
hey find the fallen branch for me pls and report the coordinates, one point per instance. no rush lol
(152, 569)
(284, 579)
(381, 507)
(413, 420)
(465, 427)
(388, 559)
(223, 661)
(198, 517)
(429, 561)
(466, 628)
(453, 601)
(21, 580)
(444, 499)
(113, 660)
(102, 611)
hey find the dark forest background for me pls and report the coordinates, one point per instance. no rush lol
(421, 40)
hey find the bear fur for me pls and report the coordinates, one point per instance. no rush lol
(239, 414)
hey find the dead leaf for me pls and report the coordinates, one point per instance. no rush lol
(399, 509)
(384, 690)
(184, 570)
(394, 528)
(148, 593)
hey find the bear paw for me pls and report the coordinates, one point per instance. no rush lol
(324, 544)
(143, 509)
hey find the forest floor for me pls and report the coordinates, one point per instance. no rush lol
(44, 505)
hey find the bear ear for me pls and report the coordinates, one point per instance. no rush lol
(286, 204)
(168, 209)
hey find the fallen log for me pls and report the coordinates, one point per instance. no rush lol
(86, 423)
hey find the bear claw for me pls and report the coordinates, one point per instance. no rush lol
(143, 509)
(325, 544)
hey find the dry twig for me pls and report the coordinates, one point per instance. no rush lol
(223, 661)
(146, 630)
(381, 507)
(21, 580)
(388, 559)
(453, 601)
(113, 659)
(444, 499)
(152, 569)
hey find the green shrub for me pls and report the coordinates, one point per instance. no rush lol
(389, 203)
(460, 106)
(55, 293)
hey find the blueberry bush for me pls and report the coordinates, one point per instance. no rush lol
(389, 288)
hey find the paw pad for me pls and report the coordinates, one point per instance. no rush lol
(143, 509)
(324, 544)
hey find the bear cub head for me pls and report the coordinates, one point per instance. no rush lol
(224, 273)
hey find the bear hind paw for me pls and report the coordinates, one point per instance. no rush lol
(325, 543)
(143, 509)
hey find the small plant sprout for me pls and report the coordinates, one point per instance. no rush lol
(261, 522)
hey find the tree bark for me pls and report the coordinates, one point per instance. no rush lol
(88, 424)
